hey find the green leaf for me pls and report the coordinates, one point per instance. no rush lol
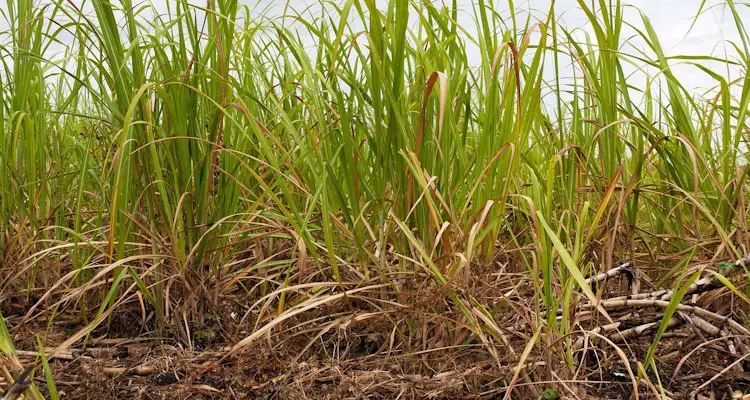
(572, 267)
(674, 302)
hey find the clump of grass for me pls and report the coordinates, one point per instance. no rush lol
(178, 159)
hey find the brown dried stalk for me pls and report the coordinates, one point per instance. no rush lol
(141, 370)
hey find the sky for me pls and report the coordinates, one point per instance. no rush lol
(671, 19)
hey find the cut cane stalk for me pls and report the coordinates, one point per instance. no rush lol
(615, 304)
